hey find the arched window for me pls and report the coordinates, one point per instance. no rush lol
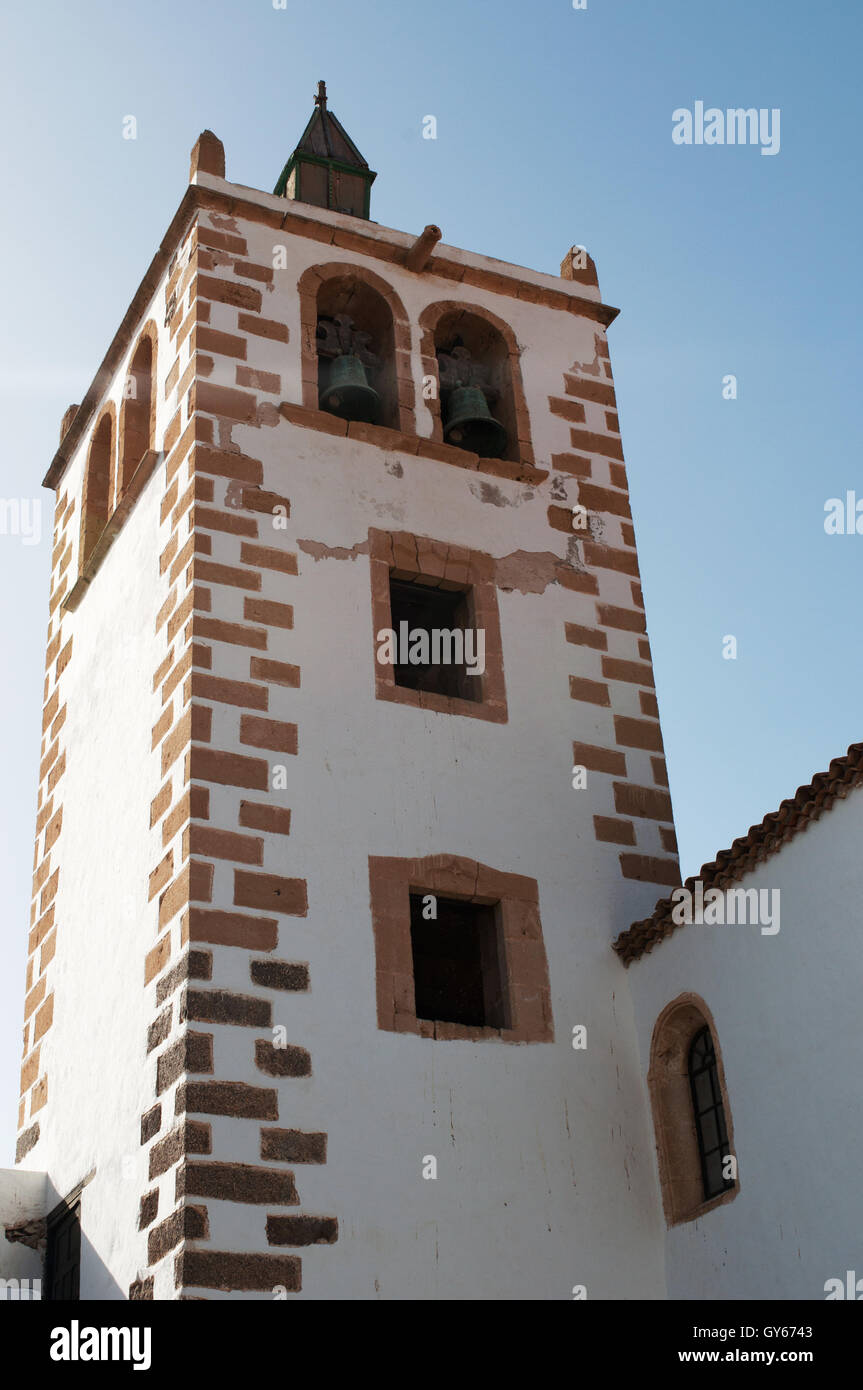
(478, 404)
(95, 504)
(356, 353)
(137, 416)
(691, 1116)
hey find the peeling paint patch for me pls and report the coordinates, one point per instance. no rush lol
(394, 467)
(31, 1233)
(558, 488)
(593, 368)
(489, 492)
(383, 509)
(319, 551)
(529, 571)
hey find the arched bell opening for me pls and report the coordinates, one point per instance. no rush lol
(137, 414)
(476, 394)
(355, 345)
(95, 502)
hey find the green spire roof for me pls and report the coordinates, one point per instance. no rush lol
(326, 169)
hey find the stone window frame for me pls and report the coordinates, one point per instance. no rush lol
(410, 557)
(308, 287)
(523, 958)
(428, 322)
(674, 1124)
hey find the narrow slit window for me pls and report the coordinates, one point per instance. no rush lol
(711, 1129)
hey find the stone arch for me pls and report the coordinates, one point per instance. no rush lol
(137, 432)
(98, 475)
(490, 337)
(673, 1113)
(340, 286)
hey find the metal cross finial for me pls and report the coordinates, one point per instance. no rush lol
(321, 98)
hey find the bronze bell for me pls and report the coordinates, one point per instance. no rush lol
(347, 393)
(470, 424)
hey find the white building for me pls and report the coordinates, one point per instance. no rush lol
(776, 981)
(321, 995)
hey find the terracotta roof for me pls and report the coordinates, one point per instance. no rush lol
(760, 842)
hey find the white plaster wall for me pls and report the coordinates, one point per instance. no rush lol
(787, 1014)
(99, 1078)
(546, 1174)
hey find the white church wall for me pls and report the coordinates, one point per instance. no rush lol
(787, 1014)
(99, 1077)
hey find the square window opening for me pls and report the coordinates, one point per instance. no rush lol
(458, 962)
(437, 641)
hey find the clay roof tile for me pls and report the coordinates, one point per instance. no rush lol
(794, 815)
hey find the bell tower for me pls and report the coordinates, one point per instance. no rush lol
(351, 774)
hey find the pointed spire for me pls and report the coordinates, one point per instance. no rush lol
(326, 169)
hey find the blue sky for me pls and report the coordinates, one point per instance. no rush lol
(554, 127)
